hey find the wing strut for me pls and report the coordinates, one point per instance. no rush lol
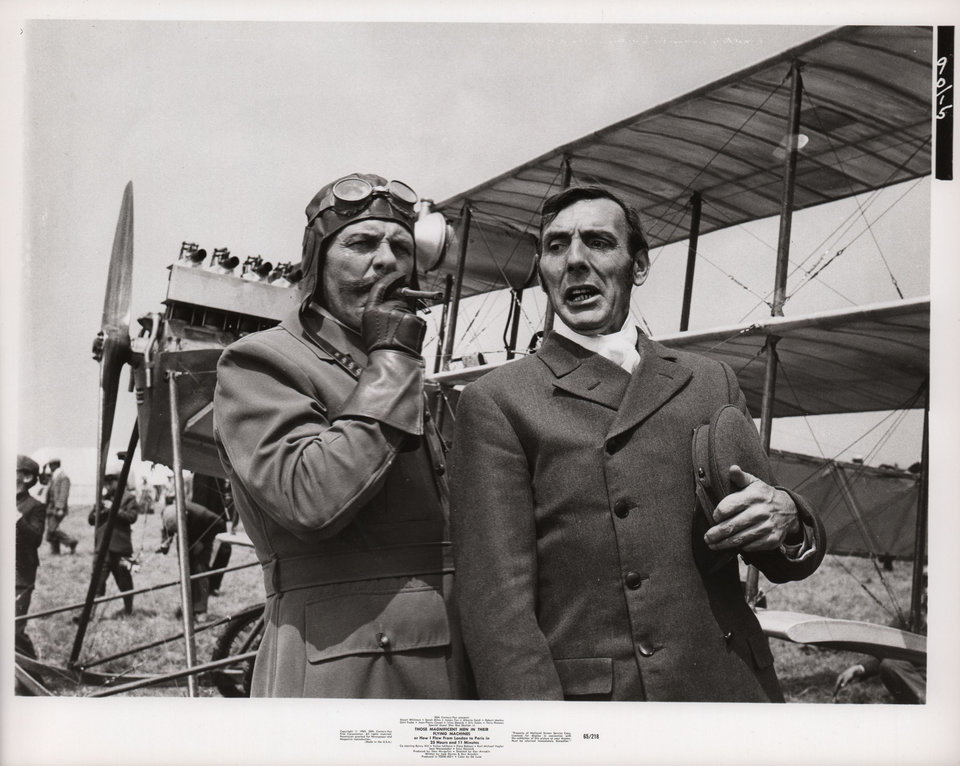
(780, 280)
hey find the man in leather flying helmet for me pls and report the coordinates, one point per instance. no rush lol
(321, 427)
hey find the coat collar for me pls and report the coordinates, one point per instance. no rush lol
(589, 376)
(313, 326)
(583, 373)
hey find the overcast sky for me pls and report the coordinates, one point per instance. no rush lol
(228, 128)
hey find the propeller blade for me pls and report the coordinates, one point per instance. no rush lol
(116, 302)
(112, 346)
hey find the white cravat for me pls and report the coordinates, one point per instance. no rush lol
(619, 347)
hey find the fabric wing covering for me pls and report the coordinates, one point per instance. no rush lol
(865, 359)
(867, 511)
(864, 124)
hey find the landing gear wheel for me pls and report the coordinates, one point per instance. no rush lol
(241, 635)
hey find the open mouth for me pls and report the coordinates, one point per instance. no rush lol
(580, 294)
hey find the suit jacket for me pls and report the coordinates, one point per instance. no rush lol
(341, 494)
(582, 571)
(58, 493)
(121, 540)
(29, 536)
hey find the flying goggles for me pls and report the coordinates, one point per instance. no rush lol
(350, 196)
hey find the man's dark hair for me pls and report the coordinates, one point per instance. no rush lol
(636, 241)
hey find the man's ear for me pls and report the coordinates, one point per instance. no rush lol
(540, 273)
(641, 267)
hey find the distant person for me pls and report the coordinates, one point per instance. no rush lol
(203, 526)
(29, 536)
(120, 551)
(58, 495)
(214, 493)
(145, 496)
(905, 681)
(159, 477)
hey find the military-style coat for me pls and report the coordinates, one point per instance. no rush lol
(338, 485)
(29, 536)
(121, 539)
(581, 567)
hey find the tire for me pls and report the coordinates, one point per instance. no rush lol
(242, 634)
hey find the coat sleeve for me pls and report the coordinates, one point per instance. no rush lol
(309, 474)
(30, 526)
(61, 492)
(775, 566)
(129, 508)
(495, 549)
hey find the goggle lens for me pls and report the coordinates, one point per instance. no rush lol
(400, 191)
(350, 193)
(352, 190)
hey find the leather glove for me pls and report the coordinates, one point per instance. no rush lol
(389, 321)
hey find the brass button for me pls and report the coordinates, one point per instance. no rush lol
(633, 580)
(383, 641)
(646, 647)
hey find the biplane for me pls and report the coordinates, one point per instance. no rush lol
(840, 116)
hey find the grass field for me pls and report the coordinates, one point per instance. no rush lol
(807, 674)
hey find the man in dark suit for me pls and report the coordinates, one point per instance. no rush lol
(583, 569)
(29, 536)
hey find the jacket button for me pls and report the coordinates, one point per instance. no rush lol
(645, 647)
(612, 446)
(622, 509)
(383, 641)
(633, 580)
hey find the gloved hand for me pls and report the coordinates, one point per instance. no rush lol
(389, 321)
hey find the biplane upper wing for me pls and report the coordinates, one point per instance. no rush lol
(865, 116)
(863, 359)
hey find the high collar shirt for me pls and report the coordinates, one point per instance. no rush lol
(619, 347)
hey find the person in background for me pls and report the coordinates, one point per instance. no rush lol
(58, 496)
(29, 536)
(203, 526)
(905, 681)
(214, 493)
(119, 562)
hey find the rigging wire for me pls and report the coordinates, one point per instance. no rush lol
(843, 496)
(838, 560)
(690, 185)
(864, 231)
(815, 108)
(490, 283)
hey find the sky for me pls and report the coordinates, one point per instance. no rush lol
(227, 129)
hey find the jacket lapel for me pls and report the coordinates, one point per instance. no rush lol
(653, 383)
(583, 373)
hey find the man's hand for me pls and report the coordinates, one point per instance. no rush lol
(847, 676)
(388, 321)
(757, 517)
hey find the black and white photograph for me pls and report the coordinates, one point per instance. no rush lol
(400, 383)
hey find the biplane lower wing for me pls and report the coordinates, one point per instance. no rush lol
(846, 635)
(863, 359)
